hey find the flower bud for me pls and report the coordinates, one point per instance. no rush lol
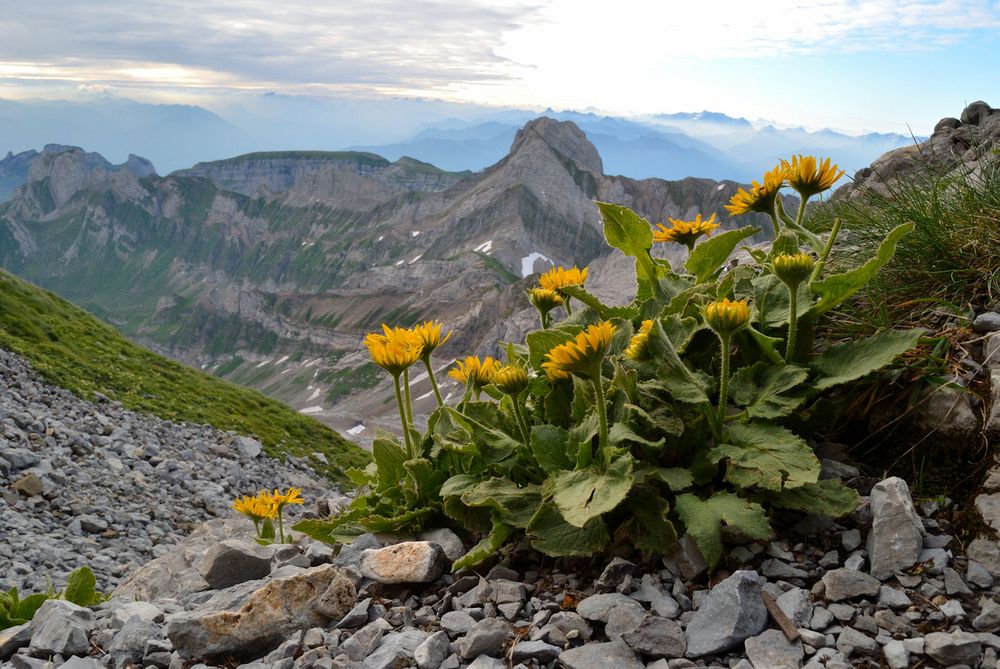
(638, 346)
(727, 316)
(511, 379)
(545, 299)
(793, 268)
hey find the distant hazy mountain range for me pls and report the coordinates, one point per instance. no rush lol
(452, 137)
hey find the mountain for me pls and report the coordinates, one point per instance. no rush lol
(269, 275)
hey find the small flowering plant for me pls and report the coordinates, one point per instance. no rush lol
(636, 424)
(266, 507)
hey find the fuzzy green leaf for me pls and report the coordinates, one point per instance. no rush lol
(680, 381)
(707, 258)
(625, 230)
(771, 301)
(762, 389)
(389, 458)
(515, 504)
(766, 456)
(649, 527)
(834, 289)
(601, 309)
(704, 518)
(26, 608)
(857, 358)
(549, 444)
(586, 494)
(486, 548)
(553, 536)
(81, 587)
(827, 498)
(540, 342)
(676, 478)
(622, 433)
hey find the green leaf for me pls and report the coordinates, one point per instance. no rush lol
(81, 587)
(516, 504)
(679, 330)
(682, 383)
(586, 494)
(836, 288)
(760, 389)
(553, 536)
(601, 309)
(389, 458)
(540, 342)
(771, 300)
(766, 345)
(707, 258)
(492, 445)
(676, 478)
(704, 518)
(827, 498)
(486, 548)
(550, 446)
(649, 527)
(854, 359)
(458, 484)
(766, 456)
(622, 433)
(267, 532)
(625, 230)
(27, 607)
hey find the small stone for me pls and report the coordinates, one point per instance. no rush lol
(896, 655)
(598, 607)
(952, 609)
(432, 651)
(614, 573)
(535, 650)
(953, 583)
(950, 648)
(357, 616)
(13, 638)
(842, 612)
(852, 641)
(844, 584)
(821, 619)
(623, 619)
(977, 575)
(487, 637)
(657, 637)
(457, 623)
(774, 568)
(61, 627)
(892, 623)
(986, 553)
(850, 539)
(406, 562)
(364, 642)
(797, 605)
(395, 650)
(686, 561)
(732, 612)
(772, 649)
(615, 654)
(897, 535)
(988, 321)
(988, 619)
(892, 598)
(487, 662)
(29, 485)
(235, 561)
(449, 542)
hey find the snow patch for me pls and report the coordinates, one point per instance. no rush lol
(314, 395)
(720, 186)
(414, 233)
(312, 409)
(528, 262)
(357, 429)
(312, 363)
(380, 238)
(485, 247)
(399, 262)
(425, 395)
(417, 258)
(263, 362)
(282, 360)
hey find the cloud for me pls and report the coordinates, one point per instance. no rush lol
(406, 44)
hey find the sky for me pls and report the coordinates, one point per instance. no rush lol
(885, 65)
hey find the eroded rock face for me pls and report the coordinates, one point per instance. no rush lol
(310, 598)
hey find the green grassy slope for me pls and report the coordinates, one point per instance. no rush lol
(74, 350)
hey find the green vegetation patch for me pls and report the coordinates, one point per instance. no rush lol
(72, 349)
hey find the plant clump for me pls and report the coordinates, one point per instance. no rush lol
(683, 412)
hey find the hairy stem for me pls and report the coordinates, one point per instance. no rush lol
(522, 424)
(793, 321)
(802, 211)
(434, 383)
(724, 378)
(406, 393)
(821, 264)
(569, 311)
(602, 416)
(281, 528)
(774, 222)
(402, 417)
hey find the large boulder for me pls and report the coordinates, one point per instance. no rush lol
(235, 561)
(61, 628)
(897, 534)
(406, 562)
(263, 619)
(732, 612)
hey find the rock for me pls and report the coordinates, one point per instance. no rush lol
(950, 648)
(248, 447)
(977, 575)
(457, 623)
(432, 651)
(357, 616)
(395, 649)
(406, 562)
(350, 554)
(129, 644)
(598, 607)
(797, 605)
(487, 637)
(657, 637)
(235, 561)
(364, 642)
(732, 612)
(621, 620)
(686, 561)
(896, 655)
(988, 321)
(852, 641)
(449, 542)
(310, 598)
(986, 553)
(61, 628)
(892, 598)
(844, 584)
(13, 638)
(988, 619)
(614, 573)
(563, 627)
(771, 649)
(535, 650)
(29, 485)
(897, 535)
(487, 662)
(615, 654)
(81, 663)
(953, 583)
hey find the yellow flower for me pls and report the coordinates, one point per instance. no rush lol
(279, 500)
(429, 333)
(545, 299)
(760, 197)
(560, 277)
(804, 176)
(638, 346)
(727, 316)
(395, 349)
(256, 508)
(684, 232)
(511, 379)
(793, 268)
(475, 371)
(581, 355)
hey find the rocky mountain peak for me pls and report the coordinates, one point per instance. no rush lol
(564, 138)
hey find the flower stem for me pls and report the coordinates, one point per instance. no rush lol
(774, 222)
(602, 416)
(522, 424)
(821, 264)
(793, 321)
(281, 528)
(569, 311)
(406, 393)
(434, 384)
(724, 377)
(402, 417)
(802, 211)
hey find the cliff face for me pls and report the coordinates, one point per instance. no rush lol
(268, 270)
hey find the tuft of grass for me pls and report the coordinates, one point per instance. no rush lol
(70, 348)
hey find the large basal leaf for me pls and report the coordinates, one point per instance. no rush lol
(620, 433)
(854, 359)
(836, 288)
(604, 311)
(682, 383)
(515, 504)
(632, 235)
(426, 479)
(492, 445)
(827, 498)
(458, 484)
(649, 527)
(766, 456)
(389, 458)
(26, 608)
(452, 431)
(763, 389)
(708, 257)
(586, 494)
(679, 330)
(81, 587)
(771, 301)
(703, 519)
(486, 548)
(553, 536)
(676, 478)
(540, 342)
(550, 446)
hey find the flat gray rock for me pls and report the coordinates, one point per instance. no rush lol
(13, 638)
(844, 584)
(614, 654)
(598, 607)
(772, 650)
(732, 612)
(395, 649)
(657, 637)
(897, 535)
(949, 648)
(486, 637)
(61, 627)
(234, 561)
(432, 651)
